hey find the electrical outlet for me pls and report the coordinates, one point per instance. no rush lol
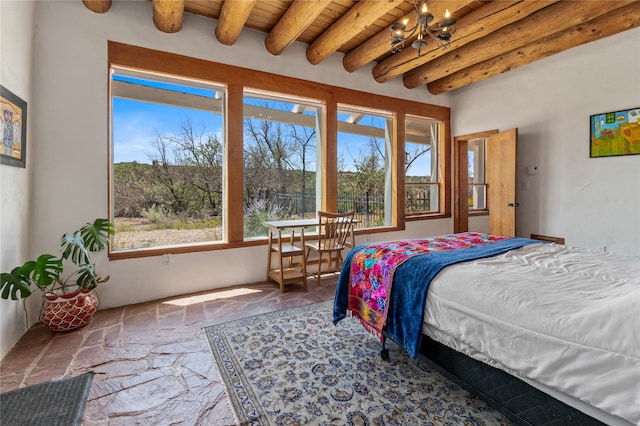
(166, 258)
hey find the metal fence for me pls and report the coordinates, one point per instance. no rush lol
(369, 207)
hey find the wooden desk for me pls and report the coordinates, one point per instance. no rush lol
(286, 247)
(289, 271)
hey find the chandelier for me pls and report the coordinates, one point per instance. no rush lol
(441, 34)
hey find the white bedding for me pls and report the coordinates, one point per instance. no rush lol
(563, 317)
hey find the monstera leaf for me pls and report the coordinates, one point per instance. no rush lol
(43, 272)
(92, 237)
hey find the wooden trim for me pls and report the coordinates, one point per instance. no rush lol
(399, 171)
(185, 66)
(149, 252)
(445, 167)
(234, 153)
(330, 158)
(461, 216)
(460, 176)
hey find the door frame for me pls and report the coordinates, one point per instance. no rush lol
(461, 176)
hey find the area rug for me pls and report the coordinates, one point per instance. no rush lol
(294, 367)
(58, 402)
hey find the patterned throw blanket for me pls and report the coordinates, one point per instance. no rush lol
(372, 270)
(365, 289)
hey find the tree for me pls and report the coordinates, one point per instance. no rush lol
(200, 158)
(413, 152)
(304, 138)
(370, 173)
(268, 153)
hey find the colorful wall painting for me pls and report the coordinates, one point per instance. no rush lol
(13, 128)
(615, 133)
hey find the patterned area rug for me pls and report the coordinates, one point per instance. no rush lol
(294, 367)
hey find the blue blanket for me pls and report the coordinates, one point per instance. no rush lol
(410, 284)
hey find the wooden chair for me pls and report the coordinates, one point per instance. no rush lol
(333, 231)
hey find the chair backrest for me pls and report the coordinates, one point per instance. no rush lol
(334, 228)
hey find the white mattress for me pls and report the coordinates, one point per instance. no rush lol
(566, 318)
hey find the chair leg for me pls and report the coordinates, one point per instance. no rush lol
(319, 267)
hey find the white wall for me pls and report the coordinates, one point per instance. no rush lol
(71, 180)
(595, 202)
(16, 47)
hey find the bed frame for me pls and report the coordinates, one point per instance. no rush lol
(519, 401)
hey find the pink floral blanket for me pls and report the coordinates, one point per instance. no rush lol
(373, 266)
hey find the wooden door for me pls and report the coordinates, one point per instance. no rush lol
(501, 180)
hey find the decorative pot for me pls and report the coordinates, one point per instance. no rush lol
(64, 312)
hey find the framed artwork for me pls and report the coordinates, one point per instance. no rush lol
(615, 133)
(13, 120)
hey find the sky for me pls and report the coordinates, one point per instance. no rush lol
(136, 124)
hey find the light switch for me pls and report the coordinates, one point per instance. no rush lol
(532, 170)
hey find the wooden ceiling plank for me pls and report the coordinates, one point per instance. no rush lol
(167, 15)
(614, 22)
(295, 20)
(359, 17)
(97, 6)
(546, 22)
(379, 44)
(233, 17)
(473, 26)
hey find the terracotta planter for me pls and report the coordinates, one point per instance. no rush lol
(69, 311)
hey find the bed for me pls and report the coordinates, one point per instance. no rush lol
(557, 323)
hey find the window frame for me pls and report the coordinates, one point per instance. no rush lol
(238, 79)
(440, 182)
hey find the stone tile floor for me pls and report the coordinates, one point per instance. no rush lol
(152, 360)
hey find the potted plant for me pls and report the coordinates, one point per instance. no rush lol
(69, 302)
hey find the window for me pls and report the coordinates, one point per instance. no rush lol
(202, 153)
(280, 159)
(167, 151)
(422, 165)
(364, 151)
(477, 197)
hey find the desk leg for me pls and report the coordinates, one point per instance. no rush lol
(303, 260)
(269, 253)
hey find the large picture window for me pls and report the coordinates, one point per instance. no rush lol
(167, 155)
(203, 153)
(280, 159)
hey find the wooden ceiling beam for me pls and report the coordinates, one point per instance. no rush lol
(548, 21)
(98, 6)
(380, 44)
(167, 15)
(233, 16)
(356, 19)
(614, 22)
(480, 23)
(296, 19)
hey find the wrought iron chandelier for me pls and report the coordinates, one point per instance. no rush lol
(441, 34)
